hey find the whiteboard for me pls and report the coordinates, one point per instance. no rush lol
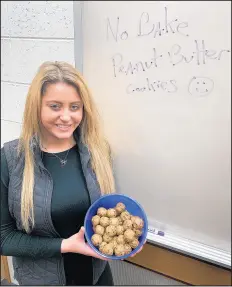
(159, 72)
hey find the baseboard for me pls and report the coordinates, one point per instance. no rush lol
(184, 268)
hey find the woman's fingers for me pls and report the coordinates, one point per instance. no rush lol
(92, 253)
(81, 232)
(140, 249)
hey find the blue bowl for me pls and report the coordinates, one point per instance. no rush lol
(110, 201)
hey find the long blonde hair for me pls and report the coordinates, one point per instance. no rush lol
(90, 127)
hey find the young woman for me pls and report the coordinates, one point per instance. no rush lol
(49, 177)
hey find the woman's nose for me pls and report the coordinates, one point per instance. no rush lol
(65, 117)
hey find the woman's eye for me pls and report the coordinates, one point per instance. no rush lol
(75, 108)
(55, 107)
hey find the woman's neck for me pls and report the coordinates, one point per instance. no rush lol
(54, 145)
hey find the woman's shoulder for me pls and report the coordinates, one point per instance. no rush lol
(10, 148)
(12, 143)
(3, 156)
(9, 152)
(9, 155)
(4, 168)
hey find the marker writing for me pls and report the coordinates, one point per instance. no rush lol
(156, 231)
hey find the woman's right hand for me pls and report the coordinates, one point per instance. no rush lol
(76, 244)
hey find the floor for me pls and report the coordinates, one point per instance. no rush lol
(4, 282)
(125, 273)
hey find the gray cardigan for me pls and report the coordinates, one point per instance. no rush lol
(29, 271)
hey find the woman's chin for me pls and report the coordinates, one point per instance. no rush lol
(63, 135)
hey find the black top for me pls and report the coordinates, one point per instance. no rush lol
(70, 202)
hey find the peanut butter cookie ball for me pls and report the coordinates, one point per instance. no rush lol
(132, 218)
(111, 230)
(119, 250)
(113, 242)
(127, 248)
(111, 212)
(119, 229)
(107, 238)
(134, 243)
(114, 221)
(137, 222)
(104, 221)
(129, 235)
(96, 239)
(127, 224)
(101, 211)
(120, 207)
(95, 220)
(99, 230)
(120, 239)
(125, 215)
(108, 249)
(138, 232)
(102, 245)
(120, 222)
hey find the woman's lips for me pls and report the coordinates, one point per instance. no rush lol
(63, 127)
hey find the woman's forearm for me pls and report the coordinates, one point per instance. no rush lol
(17, 243)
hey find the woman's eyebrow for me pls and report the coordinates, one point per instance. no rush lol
(54, 101)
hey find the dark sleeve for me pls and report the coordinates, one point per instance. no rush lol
(15, 242)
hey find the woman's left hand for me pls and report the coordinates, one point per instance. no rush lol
(140, 249)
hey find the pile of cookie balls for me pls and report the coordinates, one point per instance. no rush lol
(116, 231)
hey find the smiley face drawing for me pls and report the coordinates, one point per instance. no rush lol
(200, 86)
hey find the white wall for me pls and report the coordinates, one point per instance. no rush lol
(171, 146)
(32, 32)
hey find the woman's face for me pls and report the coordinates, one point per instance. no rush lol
(61, 111)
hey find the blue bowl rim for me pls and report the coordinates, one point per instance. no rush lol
(140, 243)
